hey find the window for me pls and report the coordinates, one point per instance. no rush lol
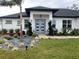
(26, 23)
(54, 24)
(18, 23)
(8, 21)
(67, 23)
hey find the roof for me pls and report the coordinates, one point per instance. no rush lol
(39, 7)
(56, 12)
(66, 13)
(17, 15)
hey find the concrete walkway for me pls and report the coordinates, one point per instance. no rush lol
(57, 37)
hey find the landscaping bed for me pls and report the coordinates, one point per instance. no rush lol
(47, 49)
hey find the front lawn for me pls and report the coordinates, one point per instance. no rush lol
(47, 49)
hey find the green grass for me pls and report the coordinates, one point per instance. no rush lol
(47, 49)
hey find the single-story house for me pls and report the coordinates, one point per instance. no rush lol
(39, 17)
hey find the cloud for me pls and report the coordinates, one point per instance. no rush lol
(31, 3)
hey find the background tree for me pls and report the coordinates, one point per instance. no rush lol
(73, 7)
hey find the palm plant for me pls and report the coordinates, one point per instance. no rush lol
(12, 3)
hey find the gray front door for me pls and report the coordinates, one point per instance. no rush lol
(40, 26)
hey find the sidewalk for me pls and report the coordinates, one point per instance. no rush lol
(57, 37)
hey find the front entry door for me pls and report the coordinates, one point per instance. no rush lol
(40, 26)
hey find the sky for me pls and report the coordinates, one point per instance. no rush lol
(32, 3)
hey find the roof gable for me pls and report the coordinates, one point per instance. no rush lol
(39, 7)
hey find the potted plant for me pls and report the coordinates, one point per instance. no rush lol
(4, 32)
(11, 32)
(17, 31)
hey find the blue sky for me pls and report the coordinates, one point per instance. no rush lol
(32, 3)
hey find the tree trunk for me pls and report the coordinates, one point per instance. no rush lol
(21, 35)
(2, 24)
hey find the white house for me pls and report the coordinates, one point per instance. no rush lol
(39, 17)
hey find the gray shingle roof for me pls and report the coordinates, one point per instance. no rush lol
(66, 13)
(39, 7)
(17, 15)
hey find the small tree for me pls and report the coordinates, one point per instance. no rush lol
(50, 28)
(29, 32)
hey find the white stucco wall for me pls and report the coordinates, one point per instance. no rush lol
(75, 23)
(14, 24)
(9, 26)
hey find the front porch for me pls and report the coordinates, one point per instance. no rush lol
(39, 21)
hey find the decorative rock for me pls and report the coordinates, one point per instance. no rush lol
(0, 45)
(10, 46)
(15, 48)
(21, 44)
(5, 40)
(32, 43)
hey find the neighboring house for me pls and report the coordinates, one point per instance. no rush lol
(39, 17)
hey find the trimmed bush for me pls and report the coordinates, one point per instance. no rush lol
(29, 31)
(11, 31)
(17, 30)
(50, 28)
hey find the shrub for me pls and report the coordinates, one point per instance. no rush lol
(17, 31)
(1, 41)
(50, 28)
(29, 31)
(55, 31)
(60, 33)
(75, 32)
(66, 31)
(8, 38)
(23, 32)
(15, 35)
(34, 34)
(0, 32)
